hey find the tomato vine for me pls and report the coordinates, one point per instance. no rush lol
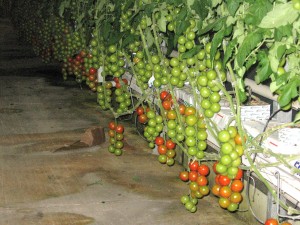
(168, 45)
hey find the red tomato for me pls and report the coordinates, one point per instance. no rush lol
(116, 79)
(167, 104)
(237, 186)
(216, 189)
(202, 180)
(170, 144)
(140, 110)
(111, 133)
(217, 179)
(224, 180)
(236, 197)
(142, 118)
(184, 175)
(92, 71)
(203, 170)
(118, 85)
(271, 221)
(162, 149)
(78, 57)
(182, 109)
(194, 165)
(225, 192)
(193, 175)
(239, 174)
(125, 81)
(112, 125)
(214, 167)
(92, 77)
(82, 53)
(164, 95)
(159, 141)
(286, 223)
(119, 128)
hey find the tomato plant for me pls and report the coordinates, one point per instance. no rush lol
(214, 40)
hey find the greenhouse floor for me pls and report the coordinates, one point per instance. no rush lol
(42, 183)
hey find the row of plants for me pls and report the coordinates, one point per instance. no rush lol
(166, 45)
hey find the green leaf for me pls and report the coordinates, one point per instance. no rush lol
(229, 50)
(264, 70)
(148, 8)
(283, 31)
(114, 38)
(275, 53)
(129, 38)
(63, 5)
(201, 8)
(289, 92)
(149, 38)
(191, 52)
(258, 9)
(216, 41)
(105, 30)
(282, 14)
(170, 43)
(249, 43)
(181, 15)
(181, 27)
(216, 24)
(215, 2)
(279, 82)
(174, 2)
(162, 23)
(250, 62)
(232, 6)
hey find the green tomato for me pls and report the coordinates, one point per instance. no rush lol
(181, 40)
(200, 155)
(225, 160)
(226, 148)
(190, 141)
(184, 199)
(191, 35)
(202, 81)
(190, 131)
(155, 59)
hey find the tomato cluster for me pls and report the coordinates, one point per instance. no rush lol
(198, 184)
(123, 98)
(166, 150)
(114, 62)
(228, 190)
(116, 137)
(154, 126)
(75, 66)
(104, 94)
(142, 117)
(231, 150)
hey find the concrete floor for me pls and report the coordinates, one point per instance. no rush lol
(40, 113)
